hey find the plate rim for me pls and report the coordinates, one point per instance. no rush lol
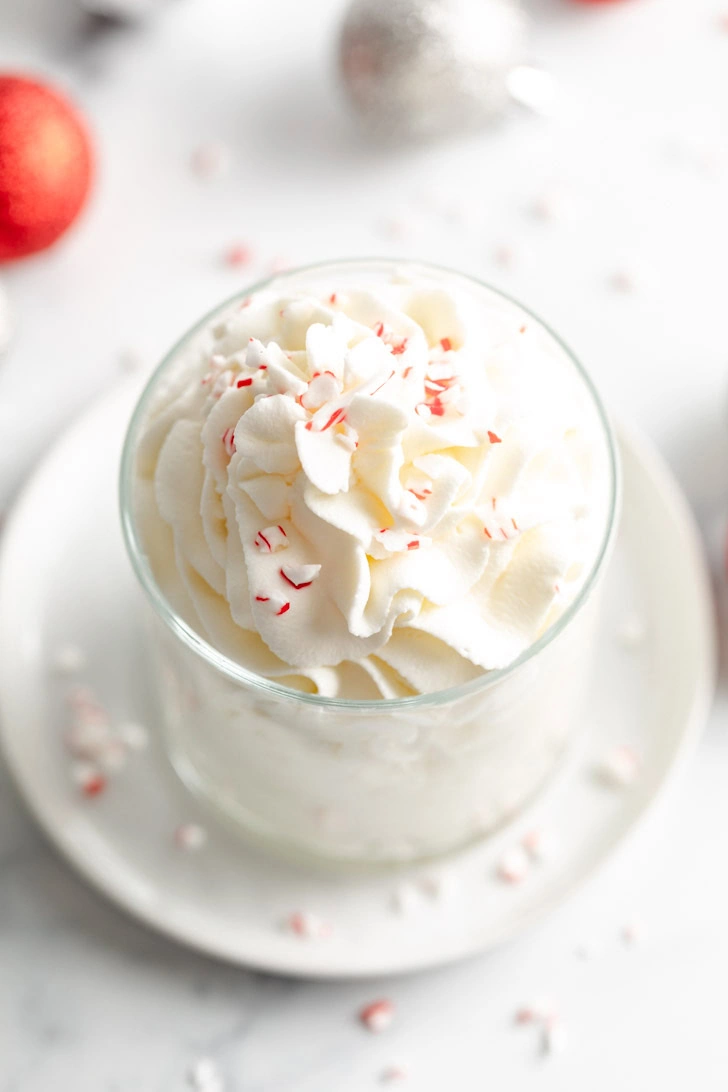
(634, 445)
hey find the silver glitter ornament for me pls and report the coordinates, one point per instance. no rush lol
(422, 69)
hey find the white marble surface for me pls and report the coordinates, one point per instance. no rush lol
(90, 1001)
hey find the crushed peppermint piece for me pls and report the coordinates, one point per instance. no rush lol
(539, 1011)
(383, 384)
(494, 438)
(273, 601)
(398, 541)
(347, 440)
(238, 256)
(89, 778)
(322, 388)
(271, 539)
(307, 926)
(441, 371)
(300, 576)
(619, 767)
(377, 1016)
(228, 440)
(190, 836)
(513, 866)
(69, 659)
(391, 1074)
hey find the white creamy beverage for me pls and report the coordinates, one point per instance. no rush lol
(368, 489)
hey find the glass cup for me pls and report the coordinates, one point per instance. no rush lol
(388, 780)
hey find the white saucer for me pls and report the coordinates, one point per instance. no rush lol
(65, 578)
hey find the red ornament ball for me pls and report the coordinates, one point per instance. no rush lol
(46, 165)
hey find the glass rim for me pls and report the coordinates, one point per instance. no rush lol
(269, 687)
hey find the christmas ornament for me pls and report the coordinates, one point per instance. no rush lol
(428, 68)
(45, 166)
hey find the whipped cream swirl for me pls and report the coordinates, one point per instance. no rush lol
(372, 492)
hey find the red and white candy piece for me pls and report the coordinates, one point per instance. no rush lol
(89, 778)
(323, 388)
(419, 485)
(377, 1016)
(228, 440)
(346, 437)
(238, 255)
(307, 926)
(322, 420)
(300, 576)
(619, 767)
(274, 602)
(396, 542)
(392, 1074)
(271, 539)
(540, 1011)
(441, 371)
(222, 383)
(513, 866)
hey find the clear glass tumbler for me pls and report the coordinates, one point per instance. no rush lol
(364, 781)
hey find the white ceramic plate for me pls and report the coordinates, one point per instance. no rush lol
(64, 577)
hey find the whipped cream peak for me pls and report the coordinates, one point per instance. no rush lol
(381, 480)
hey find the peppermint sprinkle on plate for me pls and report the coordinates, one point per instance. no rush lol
(377, 1016)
